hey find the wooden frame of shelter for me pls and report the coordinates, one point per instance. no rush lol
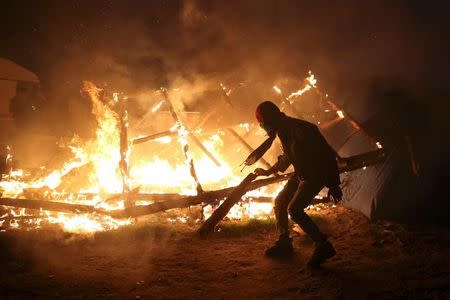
(164, 202)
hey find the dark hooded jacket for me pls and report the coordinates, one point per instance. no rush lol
(307, 150)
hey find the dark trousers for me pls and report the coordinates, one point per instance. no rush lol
(294, 198)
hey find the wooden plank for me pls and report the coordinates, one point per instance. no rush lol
(209, 225)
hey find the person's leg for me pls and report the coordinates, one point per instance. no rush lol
(307, 190)
(283, 246)
(281, 205)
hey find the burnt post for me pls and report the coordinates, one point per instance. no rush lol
(183, 132)
(122, 113)
(220, 213)
(226, 97)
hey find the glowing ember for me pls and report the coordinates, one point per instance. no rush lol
(157, 106)
(310, 83)
(225, 89)
(245, 126)
(277, 89)
(311, 79)
(340, 114)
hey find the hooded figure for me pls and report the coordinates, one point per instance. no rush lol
(315, 166)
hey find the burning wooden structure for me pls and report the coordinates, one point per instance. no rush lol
(99, 184)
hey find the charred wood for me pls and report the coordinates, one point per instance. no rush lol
(209, 225)
(155, 136)
(249, 148)
(169, 201)
(166, 201)
(191, 135)
(346, 164)
(204, 198)
(362, 160)
(48, 205)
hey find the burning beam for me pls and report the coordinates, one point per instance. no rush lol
(152, 137)
(204, 198)
(249, 148)
(121, 110)
(344, 115)
(352, 163)
(167, 201)
(155, 136)
(182, 133)
(206, 151)
(190, 134)
(346, 164)
(330, 124)
(224, 208)
(226, 97)
(48, 205)
(285, 101)
(310, 83)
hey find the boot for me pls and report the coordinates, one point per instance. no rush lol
(322, 252)
(281, 248)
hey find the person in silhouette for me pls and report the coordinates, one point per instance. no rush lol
(315, 166)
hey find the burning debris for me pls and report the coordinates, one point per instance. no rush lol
(103, 186)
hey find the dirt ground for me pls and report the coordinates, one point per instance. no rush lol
(378, 260)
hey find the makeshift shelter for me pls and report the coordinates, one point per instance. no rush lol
(378, 167)
(393, 189)
(11, 74)
(22, 115)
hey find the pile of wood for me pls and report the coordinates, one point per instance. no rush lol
(163, 202)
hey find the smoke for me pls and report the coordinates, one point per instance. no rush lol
(191, 15)
(139, 46)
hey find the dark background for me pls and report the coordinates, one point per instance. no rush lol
(145, 43)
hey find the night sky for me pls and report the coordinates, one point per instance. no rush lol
(154, 39)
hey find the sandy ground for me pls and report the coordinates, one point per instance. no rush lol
(375, 261)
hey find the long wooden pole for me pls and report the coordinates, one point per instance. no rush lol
(190, 134)
(225, 207)
(47, 205)
(249, 148)
(164, 201)
(347, 164)
(154, 136)
(204, 198)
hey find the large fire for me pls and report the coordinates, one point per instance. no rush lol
(105, 168)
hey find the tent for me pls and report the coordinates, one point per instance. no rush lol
(403, 187)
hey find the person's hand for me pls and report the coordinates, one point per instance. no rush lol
(335, 193)
(261, 172)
